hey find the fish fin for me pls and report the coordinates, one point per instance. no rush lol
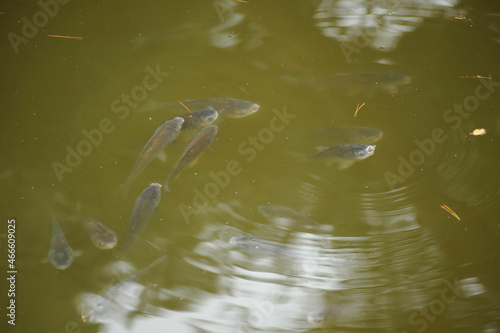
(162, 156)
(345, 164)
(77, 253)
(320, 149)
(392, 89)
(166, 186)
(214, 148)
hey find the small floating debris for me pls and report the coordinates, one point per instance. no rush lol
(185, 106)
(478, 132)
(464, 19)
(358, 108)
(475, 77)
(68, 37)
(449, 210)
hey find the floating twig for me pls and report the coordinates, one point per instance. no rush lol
(185, 106)
(85, 317)
(464, 19)
(449, 210)
(358, 108)
(68, 37)
(474, 77)
(241, 1)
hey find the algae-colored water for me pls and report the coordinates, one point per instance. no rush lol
(388, 258)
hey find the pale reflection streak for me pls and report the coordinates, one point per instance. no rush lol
(367, 24)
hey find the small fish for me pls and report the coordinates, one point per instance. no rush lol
(144, 207)
(226, 107)
(114, 301)
(163, 135)
(364, 135)
(274, 212)
(345, 155)
(257, 245)
(60, 253)
(367, 83)
(102, 236)
(200, 119)
(197, 146)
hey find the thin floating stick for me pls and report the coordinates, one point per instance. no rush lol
(465, 19)
(358, 108)
(241, 1)
(475, 77)
(68, 37)
(185, 106)
(449, 210)
(85, 317)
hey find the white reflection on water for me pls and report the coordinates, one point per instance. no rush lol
(370, 23)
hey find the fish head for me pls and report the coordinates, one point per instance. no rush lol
(363, 151)
(105, 241)
(61, 259)
(398, 79)
(178, 121)
(245, 109)
(209, 115)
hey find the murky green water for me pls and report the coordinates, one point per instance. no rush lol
(76, 114)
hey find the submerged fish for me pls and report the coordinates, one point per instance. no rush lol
(257, 245)
(163, 135)
(197, 146)
(60, 253)
(145, 205)
(347, 134)
(345, 155)
(274, 212)
(117, 300)
(201, 118)
(102, 236)
(226, 107)
(367, 83)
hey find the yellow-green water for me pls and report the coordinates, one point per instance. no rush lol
(395, 261)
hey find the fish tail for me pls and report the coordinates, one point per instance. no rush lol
(320, 149)
(166, 186)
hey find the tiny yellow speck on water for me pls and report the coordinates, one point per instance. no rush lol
(478, 131)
